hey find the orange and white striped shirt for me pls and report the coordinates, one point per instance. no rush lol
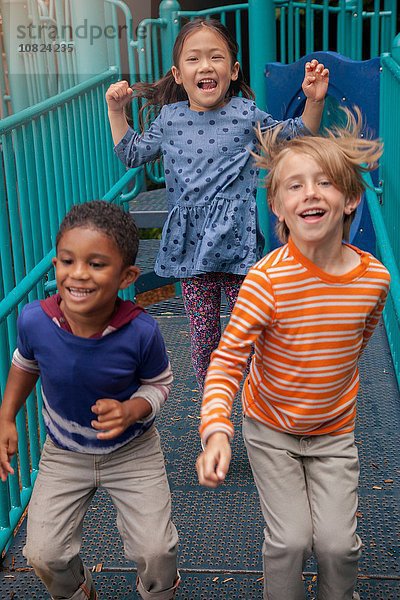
(308, 329)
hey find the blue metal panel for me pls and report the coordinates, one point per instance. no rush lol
(351, 83)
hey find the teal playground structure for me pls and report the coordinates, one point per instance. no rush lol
(52, 107)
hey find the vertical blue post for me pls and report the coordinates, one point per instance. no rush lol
(262, 45)
(396, 49)
(90, 42)
(262, 49)
(167, 11)
(391, 5)
(16, 28)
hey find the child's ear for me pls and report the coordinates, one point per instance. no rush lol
(274, 205)
(351, 205)
(54, 261)
(235, 71)
(129, 276)
(176, 75)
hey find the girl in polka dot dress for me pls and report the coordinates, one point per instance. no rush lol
(205, 134)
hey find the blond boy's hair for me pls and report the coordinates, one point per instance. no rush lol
(342, 154)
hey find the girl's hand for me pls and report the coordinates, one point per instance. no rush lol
(118, 96)
(8, 447)
(113, 416)
(316, 80)
(212, 465)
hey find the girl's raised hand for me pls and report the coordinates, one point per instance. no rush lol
(316, 80)
(118, 96)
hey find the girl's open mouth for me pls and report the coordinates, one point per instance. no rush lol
(207, 84)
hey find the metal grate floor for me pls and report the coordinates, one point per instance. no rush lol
(221, 531)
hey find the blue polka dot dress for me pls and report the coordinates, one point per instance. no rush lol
(211, 184)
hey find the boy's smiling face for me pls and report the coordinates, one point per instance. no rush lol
(89, 273)
(309, 203)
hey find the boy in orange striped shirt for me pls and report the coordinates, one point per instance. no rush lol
(309, 308)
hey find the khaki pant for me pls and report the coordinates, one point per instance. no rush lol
(308, 494)
(135, 478)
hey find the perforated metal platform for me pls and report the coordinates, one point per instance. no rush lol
(146, 259)
(149, 209)
(221, 531)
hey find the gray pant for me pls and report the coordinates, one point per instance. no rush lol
(135, 478)
(308, 494)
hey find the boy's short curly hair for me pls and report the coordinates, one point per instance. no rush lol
(109, 219)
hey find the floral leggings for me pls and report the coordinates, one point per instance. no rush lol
(202, 301)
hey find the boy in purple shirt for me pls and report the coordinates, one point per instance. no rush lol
(105, 375)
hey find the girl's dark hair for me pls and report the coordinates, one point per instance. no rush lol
(167, 91)
(109, 219)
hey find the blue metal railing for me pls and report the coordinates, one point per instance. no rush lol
(389, 129)
(53, 155)
(282, 30)
(344, 26)
(384, 251)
